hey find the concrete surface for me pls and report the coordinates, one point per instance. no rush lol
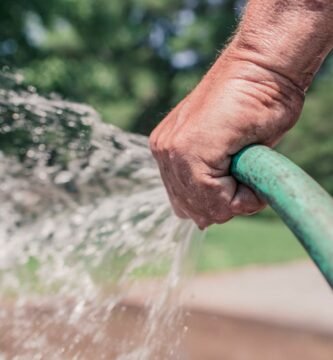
(293, 295)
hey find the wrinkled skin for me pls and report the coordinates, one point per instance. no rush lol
(236, 104)
(253, 94)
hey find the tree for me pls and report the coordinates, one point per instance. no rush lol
(132, 60)
(310, 143)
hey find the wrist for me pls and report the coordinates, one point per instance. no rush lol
(292, 40)
(299, 69)
(260, 89)
(241, 66)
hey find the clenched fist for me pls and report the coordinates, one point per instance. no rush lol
(253, 94)
(236, 104)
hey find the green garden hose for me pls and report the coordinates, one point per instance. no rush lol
(302, 204)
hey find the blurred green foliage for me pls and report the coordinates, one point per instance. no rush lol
(310, 143)
(133, 60)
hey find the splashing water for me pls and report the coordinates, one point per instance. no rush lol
(83, 215)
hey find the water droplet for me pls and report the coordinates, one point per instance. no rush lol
(31, 89)
(63, 177)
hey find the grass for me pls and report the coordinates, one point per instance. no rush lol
(244, 241)
(239, 243)
(247, 241)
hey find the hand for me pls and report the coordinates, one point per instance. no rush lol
(236, 104)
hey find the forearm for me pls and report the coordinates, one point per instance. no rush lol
(253, 94)
(289, 37)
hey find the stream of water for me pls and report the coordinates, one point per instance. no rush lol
(83, 216)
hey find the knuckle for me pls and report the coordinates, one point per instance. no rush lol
(157, 146)
(237, 206)
(202, 222)
(152, 141)
(255, 209)
(222, 219)
(174, 149)
(246, 208)
(221, 215)
(179, 141)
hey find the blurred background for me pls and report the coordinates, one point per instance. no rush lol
(133, 60)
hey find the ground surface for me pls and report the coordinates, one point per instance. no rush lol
(293, 295)
(209, 337)
(276, 312)
(272, 314)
